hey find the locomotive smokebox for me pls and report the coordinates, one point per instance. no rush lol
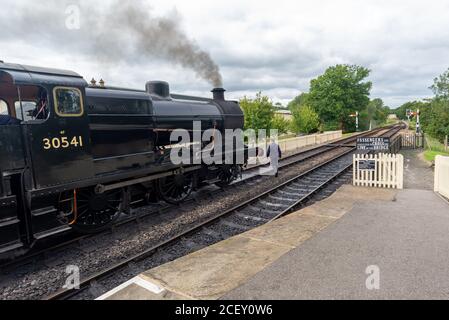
(158, 88)
(219, 94)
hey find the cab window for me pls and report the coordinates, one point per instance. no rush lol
(5, 117)
(3, 108)
(29, 109)
(68, 102)
(22, 103)
(33, 106)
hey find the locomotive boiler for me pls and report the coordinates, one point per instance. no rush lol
(77, 156)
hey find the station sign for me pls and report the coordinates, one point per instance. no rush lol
(367, 165)
(373, 144)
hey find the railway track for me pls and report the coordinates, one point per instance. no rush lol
(250, 175)
(310, 153)
(265, 207)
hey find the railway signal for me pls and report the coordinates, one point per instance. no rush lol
(356, 116)
(408, 113)
(418, 122)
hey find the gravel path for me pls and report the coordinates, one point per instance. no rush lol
(418, 173)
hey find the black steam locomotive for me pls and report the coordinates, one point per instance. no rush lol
(76, 156)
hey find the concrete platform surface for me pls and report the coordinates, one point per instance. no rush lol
(215, 271)
(400, 249)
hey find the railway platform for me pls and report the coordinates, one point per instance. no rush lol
(325, 251)
(403, 238)
(310, 253)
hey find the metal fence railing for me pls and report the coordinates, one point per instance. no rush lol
(412, 140)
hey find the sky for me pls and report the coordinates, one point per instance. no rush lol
(275, 47)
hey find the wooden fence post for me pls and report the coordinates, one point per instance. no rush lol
(354, 169)
(401, 172)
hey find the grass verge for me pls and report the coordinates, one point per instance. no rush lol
(430, 155)
(434, 148)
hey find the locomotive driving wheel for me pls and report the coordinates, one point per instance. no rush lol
(175, 189)
(227, 175)
(97, 212)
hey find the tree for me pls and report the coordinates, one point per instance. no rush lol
(298, 101)
(435, 119)
(259, 112)
(440, 86)
(305, 120)
(434, 113)
(375, 113)
(281, 124)
(414, 106)
(279, 106)
(338, 93)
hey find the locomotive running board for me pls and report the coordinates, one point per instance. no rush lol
(104, 188)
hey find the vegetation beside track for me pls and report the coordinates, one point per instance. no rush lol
(434, 148)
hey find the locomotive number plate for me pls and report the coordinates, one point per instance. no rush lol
(63, 142)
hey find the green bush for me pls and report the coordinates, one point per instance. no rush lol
(305, 120)
(259, 112)
(281, 124)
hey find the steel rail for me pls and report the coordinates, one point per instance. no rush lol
(86, 283)
(320, 150)
(66, 294)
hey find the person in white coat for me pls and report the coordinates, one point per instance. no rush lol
(274, 153)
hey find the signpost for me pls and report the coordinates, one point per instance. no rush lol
(367, 165)
(373, 144)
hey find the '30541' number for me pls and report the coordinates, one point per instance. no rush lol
(63, 143)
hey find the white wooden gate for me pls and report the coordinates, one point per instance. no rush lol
(380, 170)
(442, 175)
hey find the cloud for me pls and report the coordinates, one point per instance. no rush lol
(121, 32)
(258, 46)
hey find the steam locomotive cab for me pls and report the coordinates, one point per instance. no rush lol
(44, 144)
(74, 156)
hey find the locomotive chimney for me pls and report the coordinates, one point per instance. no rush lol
(219, 94)
(159, 88)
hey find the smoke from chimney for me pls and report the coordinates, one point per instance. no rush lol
(163, 37)
(123, 31)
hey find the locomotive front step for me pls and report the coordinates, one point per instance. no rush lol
(44, 211)
(46, 222)
(9, 225)
(52, 232)
(11, 247)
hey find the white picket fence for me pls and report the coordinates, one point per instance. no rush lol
(380, 170)
(442, 175)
